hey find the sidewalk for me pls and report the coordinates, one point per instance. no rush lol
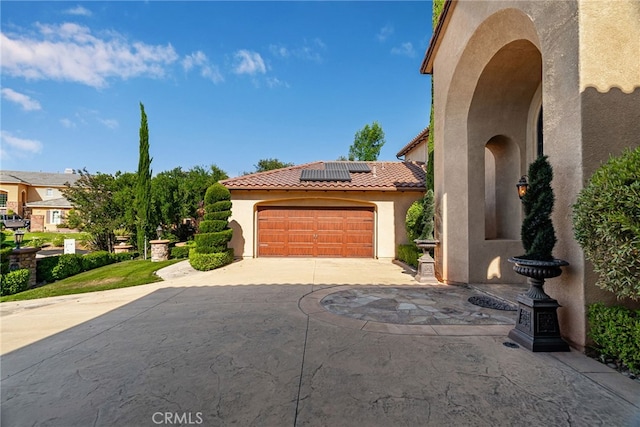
(250, 344)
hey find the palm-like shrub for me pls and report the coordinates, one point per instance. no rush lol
(537, 233)
(606, 221)
(214, 234)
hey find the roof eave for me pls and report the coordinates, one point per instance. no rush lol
(436, 38)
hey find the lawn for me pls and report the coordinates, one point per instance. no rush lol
(53, 238)
(120, 275)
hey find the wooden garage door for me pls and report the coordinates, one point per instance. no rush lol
(315, 232)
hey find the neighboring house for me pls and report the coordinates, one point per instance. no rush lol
(514, 80)
(36, 196)
(417, 149)
(324, 209)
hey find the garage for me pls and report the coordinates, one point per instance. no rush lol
(316, 232)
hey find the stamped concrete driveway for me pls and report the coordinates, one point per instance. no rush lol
(250, 345)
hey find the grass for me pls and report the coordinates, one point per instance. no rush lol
(114, 276)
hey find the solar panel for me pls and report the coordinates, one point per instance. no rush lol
(336, 166)
(358, 167)
(324, 175)
(348, 166)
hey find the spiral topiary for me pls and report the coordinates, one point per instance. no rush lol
(538, 234)
(214, 234)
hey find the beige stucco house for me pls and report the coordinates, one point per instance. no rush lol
(324, 209)
(36, 196)
(514, 80)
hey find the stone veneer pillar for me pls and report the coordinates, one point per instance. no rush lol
(25, 258)
(159, 250)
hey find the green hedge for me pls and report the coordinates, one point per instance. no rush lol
(616, 333)
(4, 259)
(14, 282)
(178, 252)
(409, 254)
(220, 216)
(206, 262)
(59, 267)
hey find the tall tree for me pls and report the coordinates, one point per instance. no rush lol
(267, 165)
(93, 199)
(367, 143)
(143, 184)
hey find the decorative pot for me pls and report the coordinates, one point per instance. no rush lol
(537, 327)
(426, 272)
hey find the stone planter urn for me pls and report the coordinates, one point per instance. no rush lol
(537, 327)
(426, 264)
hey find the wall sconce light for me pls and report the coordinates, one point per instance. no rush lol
(523, 186)
(159, 231)
(18, 236)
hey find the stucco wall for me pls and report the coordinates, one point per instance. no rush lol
(417, 153)
(390, 211)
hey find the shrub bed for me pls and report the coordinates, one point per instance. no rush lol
(14, 282)
(180, 252)
(616, 333)
(409, 254)
(59, 267)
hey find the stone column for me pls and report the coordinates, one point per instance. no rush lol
(159, 250)
(25, 258)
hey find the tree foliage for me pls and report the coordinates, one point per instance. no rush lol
(367, 143)
(419, 218)
(538, 234)
(93, 199)
(606, 221)
(143, 185)
(268, 164)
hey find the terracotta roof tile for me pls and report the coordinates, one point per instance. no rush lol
(384, 176)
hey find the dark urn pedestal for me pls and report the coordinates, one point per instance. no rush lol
(537, 326)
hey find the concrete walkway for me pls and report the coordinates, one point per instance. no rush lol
(251, 344)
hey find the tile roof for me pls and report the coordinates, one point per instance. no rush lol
(60, 202)
(48, 179)
(421, 137)
(384, 176)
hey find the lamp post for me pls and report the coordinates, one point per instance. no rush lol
(18, 236)
(159, 231)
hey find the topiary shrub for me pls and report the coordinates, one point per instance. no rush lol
(538, 234)
(14, 282)
(606, 222)
(214, 233)
(206, 262)
(419, 218)
(616, 333)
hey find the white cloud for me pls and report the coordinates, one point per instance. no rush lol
(309, 50)
(279, 50)
(248, 62)
(20, 147)
(405, 49)
(384, 33)
(110, 123)
(275, 82)
(70, 52)
(67, 123)
(78, 11)
(207, 70)
(23, 100)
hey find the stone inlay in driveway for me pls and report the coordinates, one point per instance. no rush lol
(437, 305)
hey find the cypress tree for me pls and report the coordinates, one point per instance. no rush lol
(143, 184)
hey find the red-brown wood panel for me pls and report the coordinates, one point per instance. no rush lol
(315, 232)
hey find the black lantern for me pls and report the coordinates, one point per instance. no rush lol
(159, 231)
(18, 236)
(523, 186)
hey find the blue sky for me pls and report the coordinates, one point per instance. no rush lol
(225, 83)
